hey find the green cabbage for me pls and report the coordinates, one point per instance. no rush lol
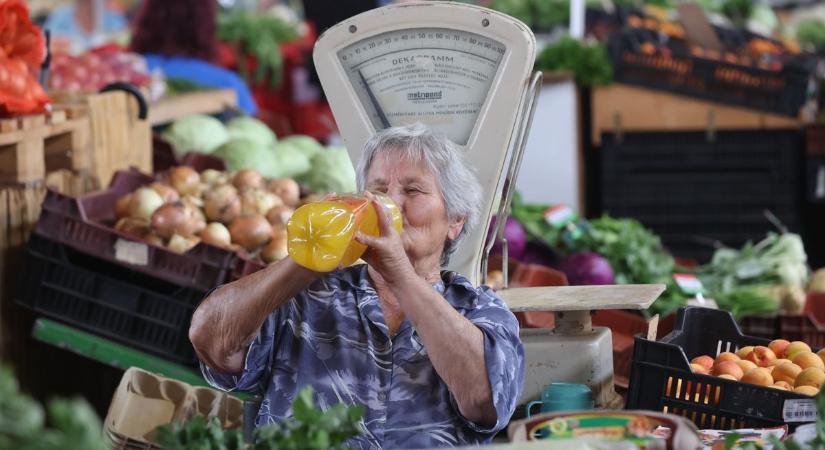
(197, 133)
(332, 171)
(306, 144)
(272, 162)
(252, 128)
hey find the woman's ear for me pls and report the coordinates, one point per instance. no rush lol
(454, 229)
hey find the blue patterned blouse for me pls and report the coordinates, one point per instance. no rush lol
(333, 336)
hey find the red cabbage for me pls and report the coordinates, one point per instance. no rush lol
(587, 269)
(515, 235)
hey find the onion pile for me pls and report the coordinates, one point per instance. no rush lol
(240, 212)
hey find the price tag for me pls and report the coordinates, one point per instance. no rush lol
(560, 216)
(799, 410)
(689, 284)
(131, 252)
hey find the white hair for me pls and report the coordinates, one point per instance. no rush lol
(456, 180)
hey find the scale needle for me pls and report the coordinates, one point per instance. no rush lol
(381, 116)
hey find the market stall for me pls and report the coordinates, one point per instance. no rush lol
(667, 281)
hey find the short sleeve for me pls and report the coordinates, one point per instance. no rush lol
(503, 356)
(257, 363)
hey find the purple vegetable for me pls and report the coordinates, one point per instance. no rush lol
(541, 254)
(587, 269)
(515, 235)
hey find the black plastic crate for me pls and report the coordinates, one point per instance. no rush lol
(125, 306)
(782, 90)
(661, 379)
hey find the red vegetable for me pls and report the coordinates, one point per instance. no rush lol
(515, 235)
(587, 269)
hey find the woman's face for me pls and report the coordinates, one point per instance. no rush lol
(416, 192)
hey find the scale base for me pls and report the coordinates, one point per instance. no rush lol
(586, 358)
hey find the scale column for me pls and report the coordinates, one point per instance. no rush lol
(573, 322)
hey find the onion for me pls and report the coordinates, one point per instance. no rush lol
(247, 179)
(279, 215)
(181, 244)
(138, 228)
(250, 232)
(211, 176)
(167, 193)
(122, 206)
(287, 189)
(258, 201)
(216, 234)
(144, 202)
(276, 250)
(222, 204)
(185, 180)
(177, 218)
(193, 200)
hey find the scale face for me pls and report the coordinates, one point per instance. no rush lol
(462, 70)
(437, 76)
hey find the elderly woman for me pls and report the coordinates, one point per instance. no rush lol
(435, 360)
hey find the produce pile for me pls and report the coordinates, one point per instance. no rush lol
(22, 49)
(94, 70)
(308, 429)
(759, 278)
(72, 423)
(247, 143)
(240, 211)
(783, 365)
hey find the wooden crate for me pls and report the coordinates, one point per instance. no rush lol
(31, 146)
(619, 107)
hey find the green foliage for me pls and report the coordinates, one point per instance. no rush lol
(811, 34)
(738, 11)
(73, 423)
(590, 63)
(196, 133)
(259, 35)
(332, 171)
(308, 429)
(541, 15)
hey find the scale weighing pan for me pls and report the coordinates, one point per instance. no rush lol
(462, 70)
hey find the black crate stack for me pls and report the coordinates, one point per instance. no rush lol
(693, 188)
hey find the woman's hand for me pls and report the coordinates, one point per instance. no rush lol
(386, 252)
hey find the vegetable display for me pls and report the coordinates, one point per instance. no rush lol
(196, 133)
(240, 211)
(91, 71)
(589, 63)
(22, 49)
(73, 424)
(258, 35)
(309, 429)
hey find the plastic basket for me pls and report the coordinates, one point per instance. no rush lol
(661, 379)
(782, 91)
(84, 223)
(125, 306)
(806, 327)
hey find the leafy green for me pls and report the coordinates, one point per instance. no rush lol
(196, 133)
(74, 425)
(252, 128)
(259, 35)
(308, 429)
(738, 11)
(180, 86)
(811, 34)
(332, 171)
(537, 14)
(589, 62)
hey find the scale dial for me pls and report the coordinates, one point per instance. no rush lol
(437, 76)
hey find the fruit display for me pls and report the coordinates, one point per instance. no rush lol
(783, 365)
(92, 71)
(22, 49)
(240, 211)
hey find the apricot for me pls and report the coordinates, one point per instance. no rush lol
(728, 377)
(744, 351)
(778, 346)
(806, 390)
(698, 368)
(729, 368)
(778, 386)
(723, 357)
(812, 376)
(795, 347)
(745, 365)
(759, 376)
(786, 372)
(784, 385)
(761, 356)
(703, 360)
(777, 362)
(807, 359)
(821, 354)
